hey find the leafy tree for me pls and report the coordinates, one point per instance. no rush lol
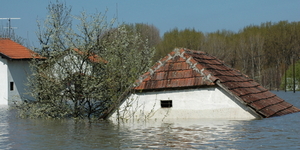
(261, 51)
(88, 71)
(147, 32)
(188, 38)
(291, 74)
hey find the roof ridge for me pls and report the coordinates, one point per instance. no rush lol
(176, 52)
(159, 64)
(181, 52)
(195, 65)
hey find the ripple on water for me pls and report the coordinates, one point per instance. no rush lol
(272, 133)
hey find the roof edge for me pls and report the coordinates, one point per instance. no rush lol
(4, 56)
(252, 111)
(177, 88)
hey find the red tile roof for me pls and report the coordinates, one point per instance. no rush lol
(13, 50)
(184, 68)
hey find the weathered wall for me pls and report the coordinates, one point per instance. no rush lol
(190, 103)
(3, 82)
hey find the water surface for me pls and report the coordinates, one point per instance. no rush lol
(272, 133)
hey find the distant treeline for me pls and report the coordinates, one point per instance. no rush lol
(263, 52)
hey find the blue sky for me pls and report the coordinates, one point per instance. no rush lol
(203, 15)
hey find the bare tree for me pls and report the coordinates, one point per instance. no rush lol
(12, 35)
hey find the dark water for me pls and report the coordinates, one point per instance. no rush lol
(272, 133)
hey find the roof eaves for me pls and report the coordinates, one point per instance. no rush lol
(252, 111)
(4, 56)
(11, 58)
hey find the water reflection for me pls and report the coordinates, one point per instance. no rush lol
(272, 133)
(172, 134)
(4, 134)
(203, 133)
(70, 134)
(61, 134)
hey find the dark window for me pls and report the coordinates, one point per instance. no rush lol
(166, 103)
(11, 86)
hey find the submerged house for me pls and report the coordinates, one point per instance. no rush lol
(70, 59)
(193, 84)
(14, 69)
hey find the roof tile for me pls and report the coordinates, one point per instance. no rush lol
(13, 50)
(196, 68)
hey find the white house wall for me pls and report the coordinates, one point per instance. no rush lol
(3, 82)
(71, 64)
(190, 103)
(18, 73)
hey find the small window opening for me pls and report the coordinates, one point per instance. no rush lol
(11, 86)
(166, 103)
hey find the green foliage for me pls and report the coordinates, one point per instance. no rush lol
(147, 32)
(188, 38)
(262, 52)
(288, 78)
(31, 109)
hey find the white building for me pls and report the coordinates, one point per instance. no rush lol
(14, 69)
(192, 84)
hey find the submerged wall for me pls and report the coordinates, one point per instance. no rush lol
(18, 71)
(3, 82)
(190, 103)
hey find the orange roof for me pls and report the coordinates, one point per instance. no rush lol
(92, 56)
(184, 68)
(13, 50)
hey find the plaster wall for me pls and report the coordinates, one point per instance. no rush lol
(211, 102)
(18, 71)
(3, 82)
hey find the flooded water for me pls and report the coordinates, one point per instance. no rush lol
(271, 133)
